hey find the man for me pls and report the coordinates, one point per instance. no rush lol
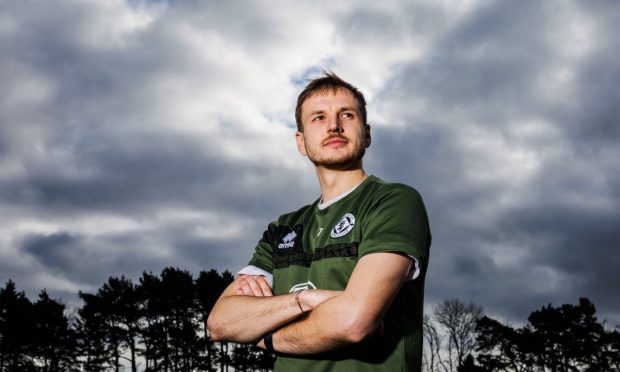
(337, 285)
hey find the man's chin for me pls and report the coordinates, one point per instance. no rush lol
(348, 163)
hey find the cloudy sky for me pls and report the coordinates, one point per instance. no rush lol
(138, 134)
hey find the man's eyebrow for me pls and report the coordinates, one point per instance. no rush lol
(317, 112)
(342, 109)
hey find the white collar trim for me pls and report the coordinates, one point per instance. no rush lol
(322, 205)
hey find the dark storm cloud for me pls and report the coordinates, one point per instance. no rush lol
(55, 250)
(101, 113)
(148, 134)
(95, 129)
(553, 237)
(479, 65)
(596, 114)
(139, 173)
(87, 260)
(583, 242)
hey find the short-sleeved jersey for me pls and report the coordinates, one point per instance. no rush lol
(313, 248)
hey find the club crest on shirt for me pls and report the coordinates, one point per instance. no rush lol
(302, 287)
(343, 227)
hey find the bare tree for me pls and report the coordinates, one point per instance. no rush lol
(459, 321)
(433, 360)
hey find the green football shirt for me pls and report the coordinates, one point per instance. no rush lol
(314, 248)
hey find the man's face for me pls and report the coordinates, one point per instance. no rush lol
(334, 136)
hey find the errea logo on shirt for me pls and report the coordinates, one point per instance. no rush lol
(343, 227)
(288, 241)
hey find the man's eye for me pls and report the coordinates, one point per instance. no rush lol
(318, 117)
(346, 115)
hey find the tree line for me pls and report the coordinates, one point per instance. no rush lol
(156, 324)
(159, 324)
(460, 338)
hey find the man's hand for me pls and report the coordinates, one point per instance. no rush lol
(253, 285)
(257, 286)
(308, 300)
(247, 310)
(311, 298)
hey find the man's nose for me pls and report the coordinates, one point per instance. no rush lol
(334, 124)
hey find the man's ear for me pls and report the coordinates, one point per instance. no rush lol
(301, 143)
(368, 137)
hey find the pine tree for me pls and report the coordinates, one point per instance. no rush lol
(209, 287)
(54, 340)
(16, 329)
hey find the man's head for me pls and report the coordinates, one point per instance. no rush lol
(328, 82)
(332, 129)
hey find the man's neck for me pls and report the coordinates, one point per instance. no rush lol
(335, 182)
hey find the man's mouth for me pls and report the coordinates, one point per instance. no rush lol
(335, 141)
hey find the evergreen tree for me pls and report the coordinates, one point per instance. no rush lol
(153, 330)
(568, 337)
(241, 358)
(54, 340)
(502, 348)
(562, 339)
(16, 329)
(610, 353)
(93, 334)
(470, 366)
(209, 287)
(122, 318)
(181, 311)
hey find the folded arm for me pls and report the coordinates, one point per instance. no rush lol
(247, 310)
(352, 316)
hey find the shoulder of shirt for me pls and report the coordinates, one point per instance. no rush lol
(380, 187)
(375, 187)
(297, 214)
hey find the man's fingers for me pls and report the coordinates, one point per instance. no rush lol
(262, 282)
(253, 285)
(245, 288)
(256, 289)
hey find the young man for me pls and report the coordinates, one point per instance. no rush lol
(337, 285)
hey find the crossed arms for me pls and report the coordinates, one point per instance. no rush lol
(247, 310)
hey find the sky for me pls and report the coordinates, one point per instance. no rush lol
(137, 135)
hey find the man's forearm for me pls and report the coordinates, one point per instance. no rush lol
(326, 328)
(246, 319)
(352, 316)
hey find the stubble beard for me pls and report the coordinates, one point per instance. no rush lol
(339, 162)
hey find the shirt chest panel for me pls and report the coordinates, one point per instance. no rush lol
(324, 256)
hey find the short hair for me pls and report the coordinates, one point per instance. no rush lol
(329, 81)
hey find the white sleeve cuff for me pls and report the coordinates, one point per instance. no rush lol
(253, 270)
(414, 270)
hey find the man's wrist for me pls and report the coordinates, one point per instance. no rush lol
(297, 295)
(268, 341)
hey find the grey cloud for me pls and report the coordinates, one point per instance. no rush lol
(595, 116)
(101, 112)
(85, 260)
(487, 72)
(54, 249)
(94, 131)
(583, 245)
(364, 23)
(146, 181)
